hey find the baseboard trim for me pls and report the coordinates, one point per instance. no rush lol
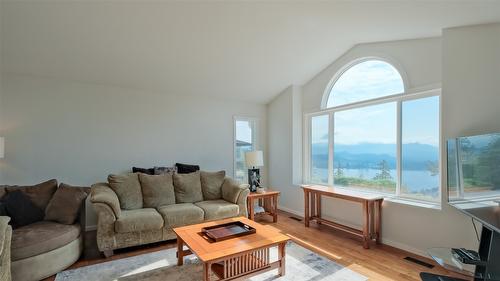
(388, 242)
(91, 227)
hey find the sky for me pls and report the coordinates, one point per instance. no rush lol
(377, 123)
(243, 131)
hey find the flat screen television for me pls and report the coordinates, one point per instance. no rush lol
(474, 189)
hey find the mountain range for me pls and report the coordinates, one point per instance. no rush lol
(416, 156)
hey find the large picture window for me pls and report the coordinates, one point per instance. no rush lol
(374, 136)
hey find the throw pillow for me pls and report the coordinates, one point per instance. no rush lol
(211, 183)
(186, 169)
(65, 205)
(165, 170)
(147, 171)
(40, 194)
(128, 189)
(21, 209)
(157, 190)
(188, 188)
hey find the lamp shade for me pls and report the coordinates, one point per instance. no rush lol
(254, 158)
(2, 147)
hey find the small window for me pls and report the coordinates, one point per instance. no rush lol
(245, 133)
(366, 80)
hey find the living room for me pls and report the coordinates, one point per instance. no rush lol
(366, 129)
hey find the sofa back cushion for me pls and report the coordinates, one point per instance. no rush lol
(211, 183)
(157, 190)
(65, 205)
(40, 194)
(128, 189)
(188, 188)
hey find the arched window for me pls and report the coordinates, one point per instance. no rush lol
(369, 79)
(373, 135)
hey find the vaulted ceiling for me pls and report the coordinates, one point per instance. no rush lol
(234, 50)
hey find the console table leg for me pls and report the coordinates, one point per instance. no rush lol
(306, 208)
(366, 225)
(378, 217)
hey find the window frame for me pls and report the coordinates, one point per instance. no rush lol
(255, 138)
(408, 95)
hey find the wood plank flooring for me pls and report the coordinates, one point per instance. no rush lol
(380, 262)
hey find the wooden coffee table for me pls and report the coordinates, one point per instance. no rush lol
(236, 258)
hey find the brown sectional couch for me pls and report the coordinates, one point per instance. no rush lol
(43, 248)
(137, 209)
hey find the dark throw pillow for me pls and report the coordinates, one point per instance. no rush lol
(147, 171)
(40, 194)
(186, 169)
(21, 210)
(65, 205)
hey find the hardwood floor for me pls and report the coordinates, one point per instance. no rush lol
(380, 262)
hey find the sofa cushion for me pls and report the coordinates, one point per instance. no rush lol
(41, 237)
(211, 183)
(128, 189)
(186, 169)
(66, 203)
(21, 210)
(157, 190)
(138, 220)
(188, 188)
(40, 194)
(218, 209)
(181, 214)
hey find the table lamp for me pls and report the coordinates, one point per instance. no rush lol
(254, 159)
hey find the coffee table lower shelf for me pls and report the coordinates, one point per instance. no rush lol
(240, 267)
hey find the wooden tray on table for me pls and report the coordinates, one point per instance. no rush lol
(227, 231)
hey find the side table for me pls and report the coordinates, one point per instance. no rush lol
(268, 199)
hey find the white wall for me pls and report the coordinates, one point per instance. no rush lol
(79, 133)
(285, 143)
(408, 227)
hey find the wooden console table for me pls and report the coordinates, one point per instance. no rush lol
(371, 204)
(268, 199)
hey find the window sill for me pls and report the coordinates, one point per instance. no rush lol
(414, 203)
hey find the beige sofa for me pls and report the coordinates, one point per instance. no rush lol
(137, 209)
(5, 236)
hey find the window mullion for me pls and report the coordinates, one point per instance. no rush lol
(399, 146)
(331, 130)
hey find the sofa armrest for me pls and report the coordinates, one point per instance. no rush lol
(242, 202)
(234, 192)
(102, 193)
(5, 232)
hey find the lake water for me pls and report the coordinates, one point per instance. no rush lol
(415, 180)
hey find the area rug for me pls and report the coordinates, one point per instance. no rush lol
(301, 265)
